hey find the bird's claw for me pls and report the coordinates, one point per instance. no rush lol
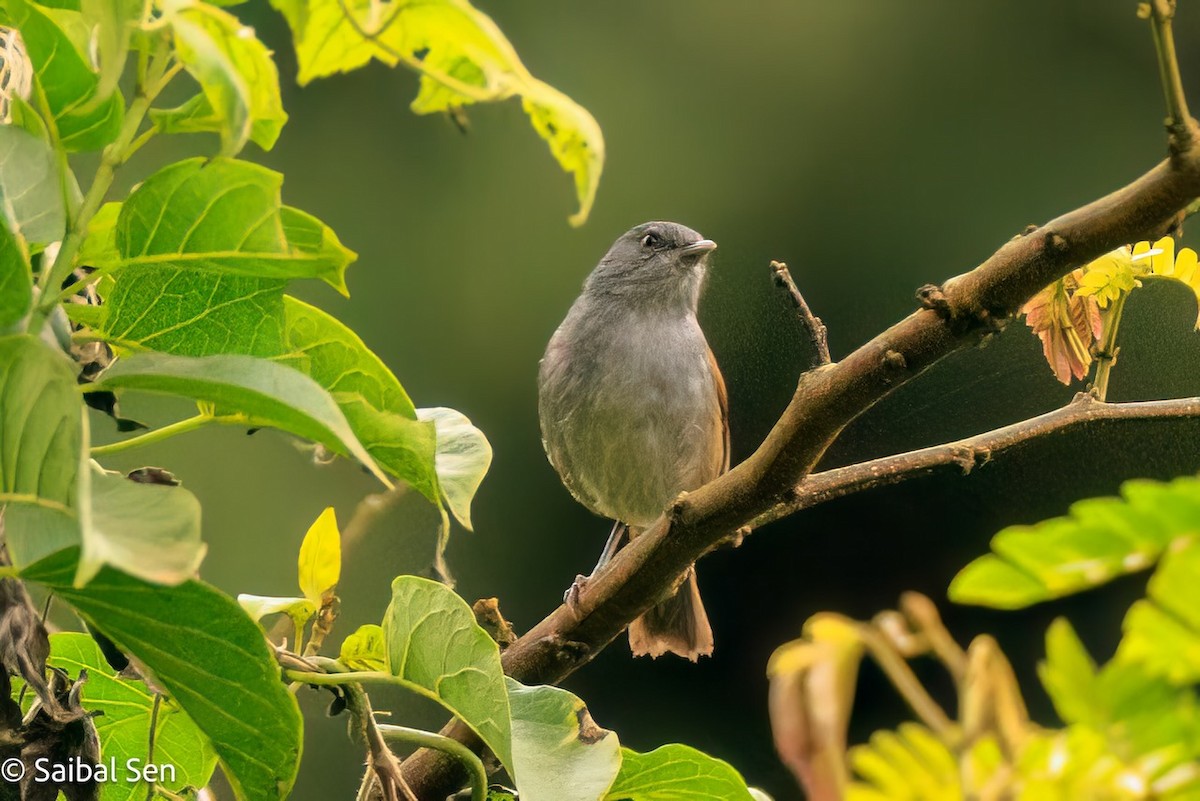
(571, 596)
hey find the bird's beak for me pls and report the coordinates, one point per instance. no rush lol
(699, 248)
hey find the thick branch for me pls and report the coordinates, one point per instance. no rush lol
(826, 399)
(967, 454)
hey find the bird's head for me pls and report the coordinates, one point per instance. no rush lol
(652, 263)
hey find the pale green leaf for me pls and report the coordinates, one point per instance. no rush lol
(365, 649)
(559, 753)
(149, 531)
(30, 194)
(1069, 674)
(16, 279)
(1103, 538)
(298, 609)
(462, 459)
(269, 394)
(234, 70)
(208, 656)
(435, 647)
(320, 563)
(676, 773)
(65, 75)
(40, 447)
(126, 709)
(1162, 632)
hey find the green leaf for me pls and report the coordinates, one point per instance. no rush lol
(114, 22)
(147, 530)
(298, 609)
(676, 773)
(224, 216)
(269, 394)
(211, 659)
(16, 279)
(1103, 538)
(463, 58)
(462, 459)
(235, 71)
(559, 753)
(1162, 631)
(40, 447)
(72, 90)
(1069, 674)
(126, 709)
(436, 648)
(30, 187)
(378, 408)
(365, 649)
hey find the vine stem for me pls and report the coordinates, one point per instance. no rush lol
(157, 435)
(1106, 353)
(113, 157)
(438, 742)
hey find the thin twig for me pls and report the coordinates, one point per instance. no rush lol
(1162, 13)
(812, 323)
(967, 454)
(151, 785)
(907, 684)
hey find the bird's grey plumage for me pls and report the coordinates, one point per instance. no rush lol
(632, 407)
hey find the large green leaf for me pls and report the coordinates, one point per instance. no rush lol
(16, 280)
(126, 709)
(147, 530)
(208, 656)
(676, 773)
(559, 753)
(463, 58)
(436, 648)
(1103, 538)
(41, 438)
(235, 71)
(70, 85)
(30, 190)
(269, 394)
(463, 458)
(222, 216)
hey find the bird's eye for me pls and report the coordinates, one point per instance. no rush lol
(651, 241)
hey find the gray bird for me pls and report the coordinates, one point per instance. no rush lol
(633, 407)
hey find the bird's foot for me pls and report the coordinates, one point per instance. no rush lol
(571, 596)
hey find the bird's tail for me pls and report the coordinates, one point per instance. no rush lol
(678, 625)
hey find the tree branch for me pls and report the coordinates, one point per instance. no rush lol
(957, 315)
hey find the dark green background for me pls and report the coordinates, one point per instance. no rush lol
(875, 146)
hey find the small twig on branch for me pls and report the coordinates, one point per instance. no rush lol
(764, 486)
(812, 323)
(1161, 14)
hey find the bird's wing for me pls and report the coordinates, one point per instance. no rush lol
(723, 405)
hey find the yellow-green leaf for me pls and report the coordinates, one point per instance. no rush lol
(321, 558)
(365, 649)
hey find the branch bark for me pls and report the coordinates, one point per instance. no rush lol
(956, 315)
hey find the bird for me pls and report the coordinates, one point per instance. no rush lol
(633, 408)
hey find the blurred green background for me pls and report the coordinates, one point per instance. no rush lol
(875, 146)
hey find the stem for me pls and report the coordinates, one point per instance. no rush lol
(428, 739)
(1162, 13)
(908, 685)
(157, 435)
(113, 157)
(151, 741)
(1106, 352)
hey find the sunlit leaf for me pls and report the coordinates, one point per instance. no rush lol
(1068, 324)
(320, 563)
(235, 71)
(365, 649)
(1162, 632)
(676, 773)
(1103, 538)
